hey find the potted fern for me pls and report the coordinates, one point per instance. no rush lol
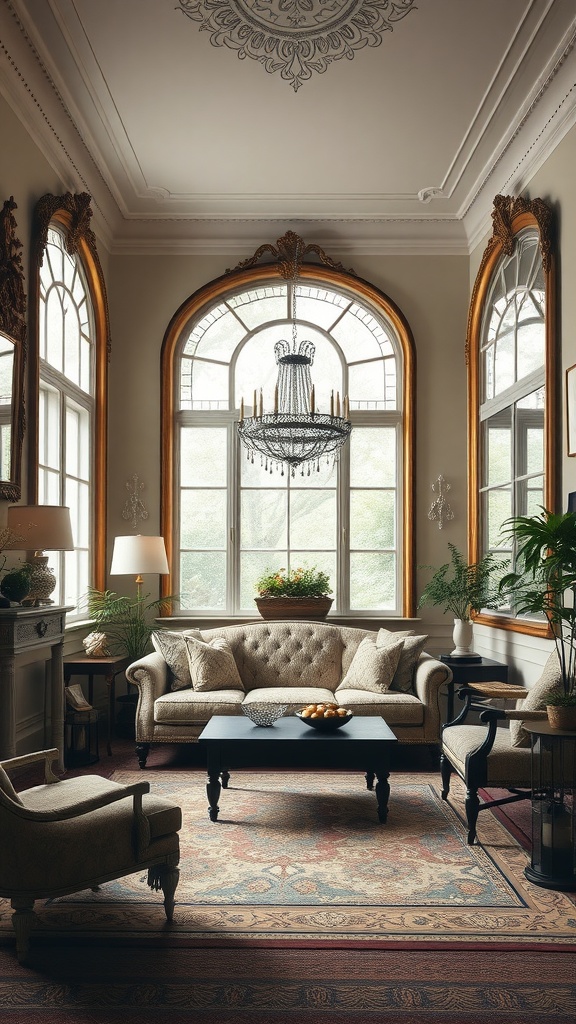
(463, 588)
(544, 584)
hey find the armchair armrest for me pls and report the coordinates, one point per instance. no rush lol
(91, 803)
(49, 757)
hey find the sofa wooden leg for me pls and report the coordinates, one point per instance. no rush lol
(23, 921)
(142, 751)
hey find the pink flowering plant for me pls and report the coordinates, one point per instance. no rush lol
(301, 582)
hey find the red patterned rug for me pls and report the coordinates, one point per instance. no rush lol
(300, 859)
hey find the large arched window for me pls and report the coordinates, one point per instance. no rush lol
(227, 516)
(70, 373)
(511, 380)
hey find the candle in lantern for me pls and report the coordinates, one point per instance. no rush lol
(337, 403)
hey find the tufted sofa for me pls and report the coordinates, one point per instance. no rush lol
(287, 662)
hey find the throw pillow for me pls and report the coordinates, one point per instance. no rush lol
(172, 647)
(549, 682)
(372, 668)
(212, 665)
(413, 647)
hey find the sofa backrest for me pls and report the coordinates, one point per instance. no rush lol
(290, 653)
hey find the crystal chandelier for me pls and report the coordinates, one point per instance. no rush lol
(296, 433)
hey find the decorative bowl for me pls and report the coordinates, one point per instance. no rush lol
(264, 714)
(325, 724)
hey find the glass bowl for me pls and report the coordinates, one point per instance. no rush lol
(325, 724)
(264, 714)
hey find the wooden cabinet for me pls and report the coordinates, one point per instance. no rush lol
(23, 630)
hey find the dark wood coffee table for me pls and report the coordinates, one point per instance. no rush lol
(235, 742)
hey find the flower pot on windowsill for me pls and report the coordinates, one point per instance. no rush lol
(293, 607)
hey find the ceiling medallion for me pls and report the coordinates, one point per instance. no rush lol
(296, 37)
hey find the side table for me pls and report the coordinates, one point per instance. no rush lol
(553, 861)
(109, 667)
(483, 671)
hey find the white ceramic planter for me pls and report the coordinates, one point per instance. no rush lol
(462, 636)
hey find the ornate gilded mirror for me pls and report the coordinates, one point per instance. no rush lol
(12, 355)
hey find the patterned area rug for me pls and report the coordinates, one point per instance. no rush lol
(299, 859)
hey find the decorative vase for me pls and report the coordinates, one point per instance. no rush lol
(562, 717)
(96, 645)
(462, 636)
(293, 607)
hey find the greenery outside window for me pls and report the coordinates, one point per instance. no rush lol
(511, 383)
(228, 518)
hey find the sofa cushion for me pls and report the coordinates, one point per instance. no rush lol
(506, 765)
(413, 646)
(549, 682)
(212, 665)
(188, 707)
(172, 647)
(394, 707)
(372, 667)
(294, 696)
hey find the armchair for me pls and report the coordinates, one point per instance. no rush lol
(488, 754)
(72, 834)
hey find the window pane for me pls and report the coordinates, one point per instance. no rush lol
(203, 456)
(356, 338)
(504, 363)
(209, 385)
(531, 344)
(372, 580)
(313, 519)
(366, 384)
(221, 337)
(498, 448)
(373, 457)
(372, 519)
(263, 519)
(499, 509)
(203, 580)
(203, 519)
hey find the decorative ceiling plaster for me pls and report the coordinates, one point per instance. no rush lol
(296, 37)
(187, 151)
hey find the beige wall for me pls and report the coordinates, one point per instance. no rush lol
(433, 294)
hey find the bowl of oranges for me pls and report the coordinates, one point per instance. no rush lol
(325, 716)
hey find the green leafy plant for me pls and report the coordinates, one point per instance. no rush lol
(125, 621)
(544, 583)
(462, 587)
(301, 582)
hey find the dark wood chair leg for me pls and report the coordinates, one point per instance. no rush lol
(472, 806)
(445, 772)
(142, 751)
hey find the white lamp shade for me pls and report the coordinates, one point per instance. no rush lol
(135, 555)
(41, 527)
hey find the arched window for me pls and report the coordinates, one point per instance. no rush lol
(511, 378)
(70, 374)
(227, 515)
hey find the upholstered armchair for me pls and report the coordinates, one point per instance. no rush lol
(72, 834)
(487, 754)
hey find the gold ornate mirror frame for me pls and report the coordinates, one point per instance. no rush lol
(510, 216)
(12, 332)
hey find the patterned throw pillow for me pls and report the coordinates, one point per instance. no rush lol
(549, 682)
(212, 665)
(413, 647)
(372, 668)
(172, 647)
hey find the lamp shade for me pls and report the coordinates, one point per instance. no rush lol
(135, 555)
(41, 527)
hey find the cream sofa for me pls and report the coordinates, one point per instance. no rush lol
(286, 662)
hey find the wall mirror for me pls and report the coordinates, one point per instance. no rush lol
(12, 355)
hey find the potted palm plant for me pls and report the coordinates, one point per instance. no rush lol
(300, 593)
(124, 621)
(544, 584)
(463, 588)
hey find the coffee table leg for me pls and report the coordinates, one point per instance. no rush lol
(369, 780)
(382, 795)
(213, 789)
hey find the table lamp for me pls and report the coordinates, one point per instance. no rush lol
(40, 528)
(136, 555)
